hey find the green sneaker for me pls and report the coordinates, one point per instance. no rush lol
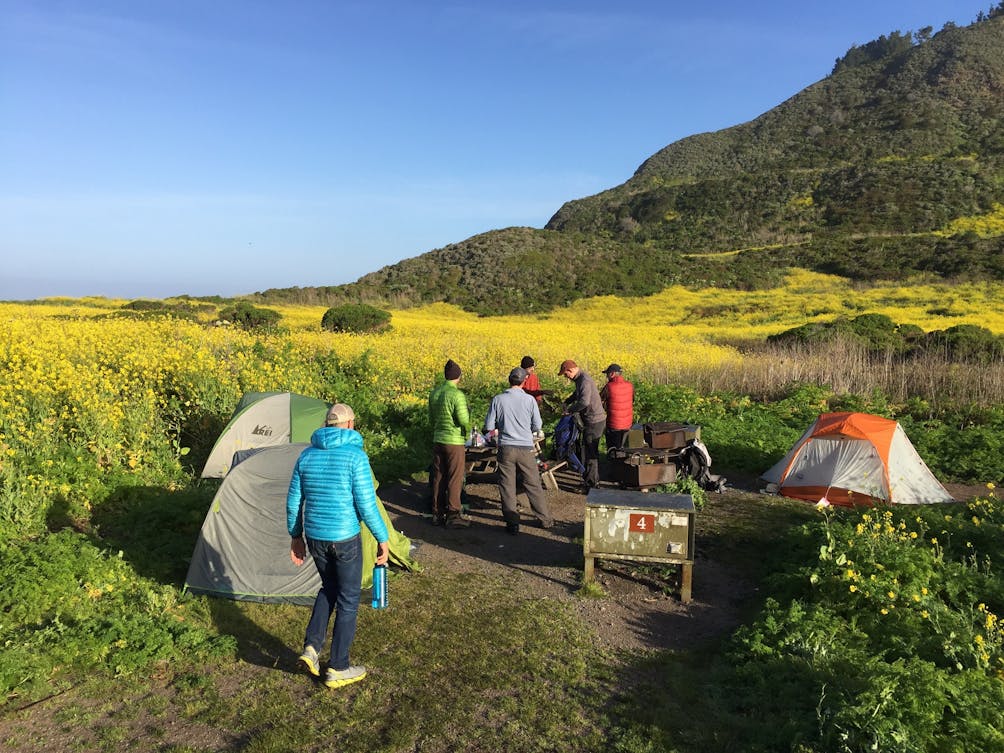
(309, 661)
(338, 678)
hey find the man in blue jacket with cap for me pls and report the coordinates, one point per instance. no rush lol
(330, 492)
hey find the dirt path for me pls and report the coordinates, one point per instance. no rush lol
(639, 612)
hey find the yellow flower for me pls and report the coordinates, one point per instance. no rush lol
(924, 614)
(891, 594)
(852, 588)
(885, 611)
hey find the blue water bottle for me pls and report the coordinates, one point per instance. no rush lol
(379, 586)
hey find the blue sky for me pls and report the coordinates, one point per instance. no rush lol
(151, 148)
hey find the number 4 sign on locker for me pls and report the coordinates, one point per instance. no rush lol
(641, 523)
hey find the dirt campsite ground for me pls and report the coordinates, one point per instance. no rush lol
(641, 610)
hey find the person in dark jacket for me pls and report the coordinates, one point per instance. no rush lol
(585, 403)
(618, 401)
(451, 421)
(331, 490)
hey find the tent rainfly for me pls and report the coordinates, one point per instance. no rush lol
(855, 458)
(243, 547)
(263, 419)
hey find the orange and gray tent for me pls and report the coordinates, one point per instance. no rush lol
(855, 458)
(264, 419)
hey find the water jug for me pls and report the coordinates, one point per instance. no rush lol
(379, 586)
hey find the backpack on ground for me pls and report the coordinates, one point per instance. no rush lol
(695, 462)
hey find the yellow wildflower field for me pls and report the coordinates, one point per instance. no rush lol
(664, 336)
(91, 389)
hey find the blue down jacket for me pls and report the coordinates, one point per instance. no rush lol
(332, 489)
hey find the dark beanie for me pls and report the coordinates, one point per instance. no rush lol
(451, 370)
(527, 363)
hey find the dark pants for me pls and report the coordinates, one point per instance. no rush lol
(591, 451)
(615, 437)
(340, 565)
(520, 463)
(447, 479)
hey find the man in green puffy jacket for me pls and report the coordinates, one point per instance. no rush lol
(450, 421)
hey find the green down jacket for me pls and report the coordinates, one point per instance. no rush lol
(448, 414)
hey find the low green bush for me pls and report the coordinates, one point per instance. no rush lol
(72, 609)
(355, 317)
(249, 317)
(889, 639)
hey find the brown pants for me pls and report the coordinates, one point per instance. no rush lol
(447, 478)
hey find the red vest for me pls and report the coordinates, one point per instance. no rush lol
(532, 386)
(618, 399)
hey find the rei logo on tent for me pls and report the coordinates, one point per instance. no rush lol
(264, 419)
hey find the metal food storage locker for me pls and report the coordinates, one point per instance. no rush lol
(639, 526)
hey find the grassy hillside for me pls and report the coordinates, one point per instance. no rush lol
(877, 160)
(892, 165)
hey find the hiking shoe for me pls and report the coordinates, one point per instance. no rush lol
(339, 678)
(457, 521)
(512, 528)
(309, 661)
(438, 520)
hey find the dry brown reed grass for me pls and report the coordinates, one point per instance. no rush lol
(768, 370)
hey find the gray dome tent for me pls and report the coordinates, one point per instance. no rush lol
(243, 547)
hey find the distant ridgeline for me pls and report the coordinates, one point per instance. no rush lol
(891, 166)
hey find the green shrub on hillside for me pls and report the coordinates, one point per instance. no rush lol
(880, 334)
(355, 317)
(967, 342)
(249, 317)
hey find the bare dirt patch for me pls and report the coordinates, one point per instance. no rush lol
(640, 611)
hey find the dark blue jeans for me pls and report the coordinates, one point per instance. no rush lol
(340, 565)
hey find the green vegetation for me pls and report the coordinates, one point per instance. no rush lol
(355, 317)
(686, 485)
(250, 317)
(178, 309)
(881, 633)
(864, 630)
(880, 334)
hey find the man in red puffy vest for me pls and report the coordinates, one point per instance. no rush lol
(618, 401)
